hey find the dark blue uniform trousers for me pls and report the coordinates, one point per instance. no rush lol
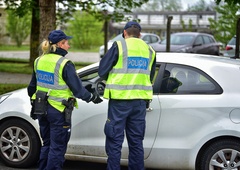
(55, 134)
(128, 115)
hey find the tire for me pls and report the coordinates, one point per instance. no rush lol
(19, 143)
(219, 154)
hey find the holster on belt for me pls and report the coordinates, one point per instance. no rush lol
(40, 103)
(69, 108)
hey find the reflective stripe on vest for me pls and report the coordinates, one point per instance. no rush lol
(136, 68)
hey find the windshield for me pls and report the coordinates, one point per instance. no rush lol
(180, 39)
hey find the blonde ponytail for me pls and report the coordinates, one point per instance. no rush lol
(46, 47)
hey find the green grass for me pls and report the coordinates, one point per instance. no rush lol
(22, 65)
(5, 88)
(27, 48)
(14, 48)
(15, 68)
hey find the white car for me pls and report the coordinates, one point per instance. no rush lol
(193, 121)
(230, 48)
(149, 38)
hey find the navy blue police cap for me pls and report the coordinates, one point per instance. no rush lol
(130, 24)
(57, 35)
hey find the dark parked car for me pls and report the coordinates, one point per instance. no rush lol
(190, 42)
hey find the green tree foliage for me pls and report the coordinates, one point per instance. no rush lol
(230, 2)
(224, 28)
(86, 31)
(64, 8)
(190, 26)
(18, 27)
(201, 5)
(161, 5)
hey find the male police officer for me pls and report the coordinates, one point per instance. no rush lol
(54, 82)
(129, 68)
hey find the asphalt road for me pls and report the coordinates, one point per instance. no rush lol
(69, 165)
(74, 56)
(73, 165)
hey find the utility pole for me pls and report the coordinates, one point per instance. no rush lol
(169, 19)
(105, 12)
(237, 34)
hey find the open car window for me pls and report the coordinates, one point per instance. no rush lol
(179, 79)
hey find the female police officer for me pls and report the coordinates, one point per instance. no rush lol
(54, 77)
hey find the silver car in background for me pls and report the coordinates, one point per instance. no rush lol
(149, 38)
(230, 48)
(193, 121)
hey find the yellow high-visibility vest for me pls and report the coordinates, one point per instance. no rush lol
(130, 77)
(48, 69)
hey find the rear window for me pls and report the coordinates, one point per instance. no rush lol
(232, 41)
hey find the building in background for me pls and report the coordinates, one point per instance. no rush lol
(156, 22)
(151, 22)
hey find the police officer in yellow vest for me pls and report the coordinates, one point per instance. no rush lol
(128, 67)
(54, 81)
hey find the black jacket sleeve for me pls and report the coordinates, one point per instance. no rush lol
(74, 82)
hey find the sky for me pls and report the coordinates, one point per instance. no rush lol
(185, 3)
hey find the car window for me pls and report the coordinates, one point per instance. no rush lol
(180, 39)
(211, 40)
(232, 41)
(154, 39)
(89, 75)
(207, 40)
(180, 79)
(147, 39)
(198, 40)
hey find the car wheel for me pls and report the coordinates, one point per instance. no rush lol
(223, 154)
(19, 143)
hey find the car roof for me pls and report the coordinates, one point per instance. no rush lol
(195, 59)
(224, 70)
(190, 33)
(119, 36)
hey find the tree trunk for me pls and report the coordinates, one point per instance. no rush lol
(47, 17)
(35, 31)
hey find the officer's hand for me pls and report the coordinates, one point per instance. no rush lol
(96, 98)
(89, 88)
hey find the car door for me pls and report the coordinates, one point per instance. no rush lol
(87, 136)
(209, 45)
(185, 106)
(198, 45)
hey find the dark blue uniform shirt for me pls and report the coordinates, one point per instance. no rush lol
(69, 76)
(110, 60)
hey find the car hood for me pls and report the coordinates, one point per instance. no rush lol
(173, 48)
